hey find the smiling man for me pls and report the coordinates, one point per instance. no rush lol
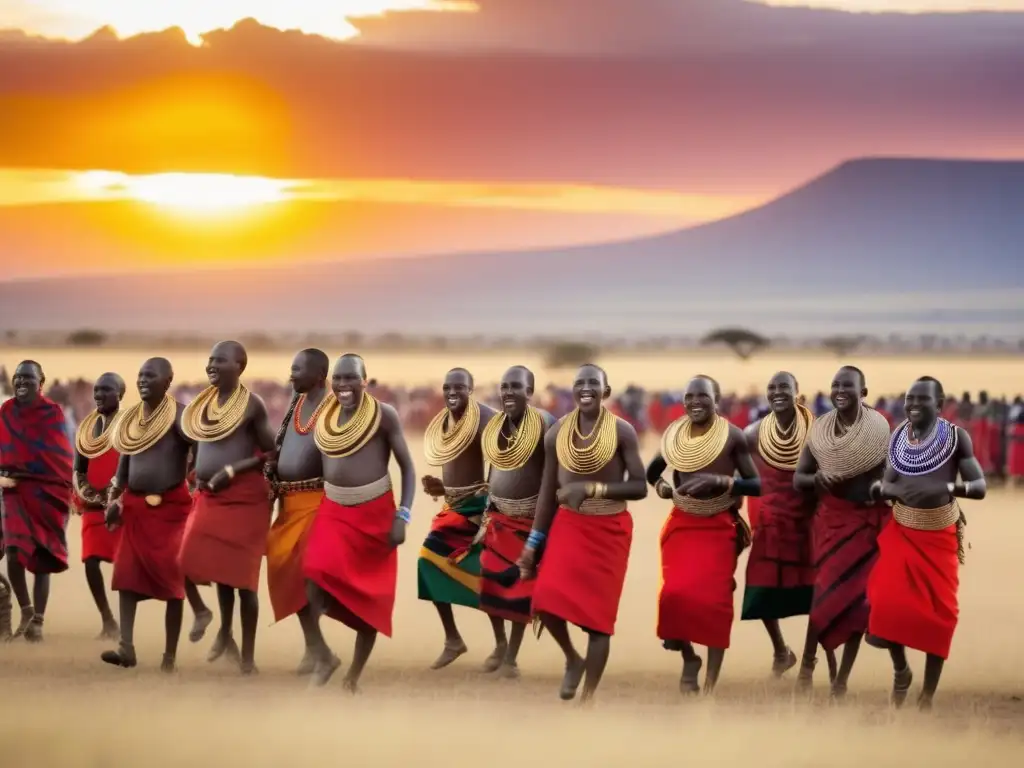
(35, 480)
(95, 467)
(449, 565)
(843, 456)
(297, 484)
(226, 537)
(704, 533)
(513, 444)
(912, 590)
(592, 467)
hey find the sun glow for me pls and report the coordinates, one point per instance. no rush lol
(192, 193)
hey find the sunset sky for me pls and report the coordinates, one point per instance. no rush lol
(362, 133)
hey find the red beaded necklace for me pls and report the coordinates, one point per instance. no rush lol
(304, 429)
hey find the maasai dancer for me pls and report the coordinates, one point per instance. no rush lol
(780, 569)
(704, 533)
(35, 494)
(94, 469)
(149, 503)
(592, 467)
(844, 455)
(226, 536)
(351, 559)
(297, 484)
(912, 590)
(449, 564)
(513, 443)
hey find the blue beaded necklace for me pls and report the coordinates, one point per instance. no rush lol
(926, 455)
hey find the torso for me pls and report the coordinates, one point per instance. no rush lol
(612, 472)
(299, 458)
(524, 482)
(467, 468)
(368, 464)
(723, 464)
(163, 466)
(211, 457)
(929, 491)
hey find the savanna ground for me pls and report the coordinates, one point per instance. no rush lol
(61, 706)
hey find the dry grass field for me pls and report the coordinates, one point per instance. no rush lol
(60, 706)
(885, 374)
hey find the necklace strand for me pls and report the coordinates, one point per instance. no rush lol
(860, 447)
(685, 452)
(781, 448)
(444, 441)
(88, 445)
(587, 459)
(303, 429)
(926, 455)
(520, 445)
(206, 421)
(136, 433)
(337, 440)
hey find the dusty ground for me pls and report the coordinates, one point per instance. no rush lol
(60, 706)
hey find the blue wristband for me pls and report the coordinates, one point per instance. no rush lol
(404, 514)
(535, 539)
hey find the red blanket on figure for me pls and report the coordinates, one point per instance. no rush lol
(349, 556)
(845, 551)
(502, 592)
(97, 541)
(698, 565)
(226, 536)
(1015, 446)
(34, 441)
(912, 588)
(147, 561)
(583, 568)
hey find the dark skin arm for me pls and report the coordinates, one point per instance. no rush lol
(655, 469)
(633, 488)
(266, 441)
(79, 467)
(743, 462)
(807, 476)
(972, 483)
(400, 450)
(117, 487)
(547, 502)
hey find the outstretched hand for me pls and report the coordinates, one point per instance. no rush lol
(433, 486)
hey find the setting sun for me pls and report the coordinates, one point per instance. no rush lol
(194, 193)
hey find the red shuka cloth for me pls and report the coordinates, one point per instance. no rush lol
(979, 431)
(1015, 457)
(97, 541)
(698, 563)
(502, 592)
(912, 588)
(34, 516)
(583, 568)
(147, 561)
(845, 550)
(350, 557)
(781, 554)
(226, 535)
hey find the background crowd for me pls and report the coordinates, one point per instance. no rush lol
(995, 424)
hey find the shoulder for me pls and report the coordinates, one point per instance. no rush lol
(256, 404)
(752, 429)
(389, 415)
(486, 413)
(876, 416)
(736, 435)
(963, 440)
(551, 436)
(549, 420)
(625, 431)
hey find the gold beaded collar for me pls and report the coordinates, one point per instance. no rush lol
(92, 446)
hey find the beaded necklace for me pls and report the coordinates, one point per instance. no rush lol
(446, 439)
(927, 454)
(685, 452)
(519, 447)
(337, 440)
(136, 433)
(303, 429)
(849, 451)
(781, 448)
(89, 446)
(588, 459)
(204, 420)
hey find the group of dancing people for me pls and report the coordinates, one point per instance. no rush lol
(856, 527)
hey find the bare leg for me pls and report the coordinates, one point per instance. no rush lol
(225, 643)
(932, 672)
(173, 616)
(203, 615)
(124, 656)
(574, 663)
(249, 607)
(94, 577)
(850, 650)
(715, 658)
(326, 662)
(310, 628)
(692, 664)
(783, 659)
(492, 662)
(41, 597)
(902, 676)
(6, 629)
(510, 665)
(454, 646)
(599, 646)
(805, 678)
(19, 585)
(364, 646)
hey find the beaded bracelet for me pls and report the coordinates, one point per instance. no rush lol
(403, 514)
(535, 539)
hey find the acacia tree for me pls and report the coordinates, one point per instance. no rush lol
(744, 343)
(841, 346)
(569, 354)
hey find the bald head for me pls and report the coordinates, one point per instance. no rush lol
(107, 393)
(782, 392)
(155, 377)
(226, 364)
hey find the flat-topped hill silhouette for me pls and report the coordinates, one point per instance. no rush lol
(942, 240)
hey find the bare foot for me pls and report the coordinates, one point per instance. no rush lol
(572, 679)
(508, 670)
(26, 619)
(110, 631)
(124, 657)
(449, 654)
(837, 694)
(492, 662)
(307, 665)
(324, 670)
(6, 631)
(168, 665)
(351, 685)
(34, 630)
(202, 620)
(782, 664)
(224, 646)
(924, 702)
(688, 680)
(805, 678)
(249, 668)
(901, 681)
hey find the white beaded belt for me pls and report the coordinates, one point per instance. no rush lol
(456, 495)
(926, 519)
(352, 497)
(602, 507)
(703, 507)
(516, 507)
